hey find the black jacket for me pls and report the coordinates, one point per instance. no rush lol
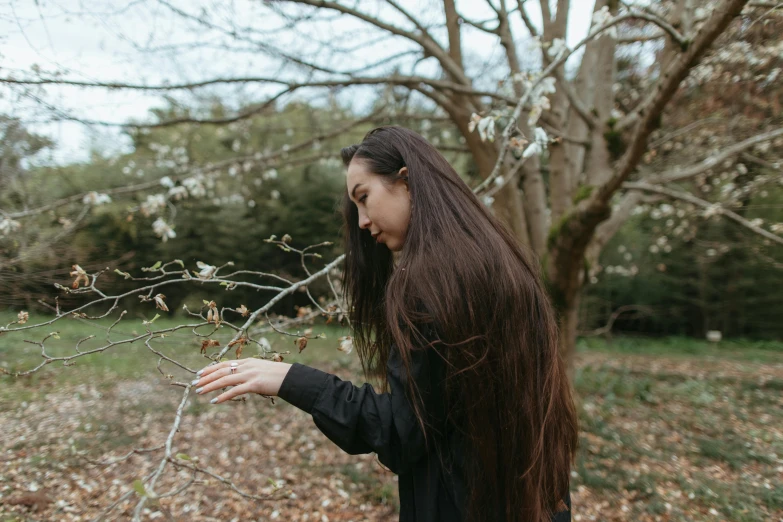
(359, 420)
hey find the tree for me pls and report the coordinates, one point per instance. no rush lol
(566, 172)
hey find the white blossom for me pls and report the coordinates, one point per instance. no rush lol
(474, 120)
(557, 48)
(195, 186)
(346, 344)
(275, 194)
(177, 193)
(540, 136)
(7, 226)
(602, 17)
(264, 346)
(539, 106)
(166, 182)
(153, 204)
(163, 230)
(712, 210)
(269, 174)
(488, 200)
(486, 128)
(94, 198)
(531, 150)
(546, 86)
(205, 270)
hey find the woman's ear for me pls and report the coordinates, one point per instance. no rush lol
(404, 173)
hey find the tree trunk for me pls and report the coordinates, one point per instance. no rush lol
(508, 208)
(569, 322)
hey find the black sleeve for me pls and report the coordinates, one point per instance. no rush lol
(358, 419)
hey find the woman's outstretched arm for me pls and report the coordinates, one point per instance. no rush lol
(359, 420)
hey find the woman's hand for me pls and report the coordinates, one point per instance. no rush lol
(252, 375)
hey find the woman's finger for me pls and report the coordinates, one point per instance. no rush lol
(227, 380)
(230, 394)
(219, 366)
(204, 380)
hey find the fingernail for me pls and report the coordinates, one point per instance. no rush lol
(213, 401)
(199, 372)
(198, 390)
(194, 382)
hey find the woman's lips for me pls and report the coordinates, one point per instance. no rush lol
(378, 237)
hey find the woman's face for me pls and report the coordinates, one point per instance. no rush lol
(384, 211)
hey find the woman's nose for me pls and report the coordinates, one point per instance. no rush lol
(364, 221)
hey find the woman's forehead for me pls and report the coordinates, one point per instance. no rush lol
(356, 173)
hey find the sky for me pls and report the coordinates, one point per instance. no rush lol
(146, 41)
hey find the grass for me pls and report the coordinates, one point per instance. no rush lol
(657, 409)
(131, 361)
(670, 428)
(682, 347)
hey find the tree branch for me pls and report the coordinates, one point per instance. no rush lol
(406, 81)
(680, 174)
(663, 92)
(526, 19)
(715, 207)
(430, 46)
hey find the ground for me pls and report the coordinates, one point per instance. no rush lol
(671, 430)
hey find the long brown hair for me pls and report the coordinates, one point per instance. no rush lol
(463, 272)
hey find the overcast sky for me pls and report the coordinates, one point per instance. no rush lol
(145, 41)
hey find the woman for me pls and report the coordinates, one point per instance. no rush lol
(478, 419)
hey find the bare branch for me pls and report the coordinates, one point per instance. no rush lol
(407, 81)
(642, 311)
(526, 19)
(663, 92)
(663, 24)
(680, 174)
(714, 207)
(79, 197)
(430, 46)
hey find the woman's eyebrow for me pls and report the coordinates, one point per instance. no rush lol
(353, 192)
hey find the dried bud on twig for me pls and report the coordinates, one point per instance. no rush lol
(208, 343)
(277, 358)
(243, 310)
(212, 314)
(80, 275)
(23, 317)
(240, 344)
(159, 303)
(301, 342)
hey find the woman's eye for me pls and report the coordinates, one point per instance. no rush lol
(361, 199)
